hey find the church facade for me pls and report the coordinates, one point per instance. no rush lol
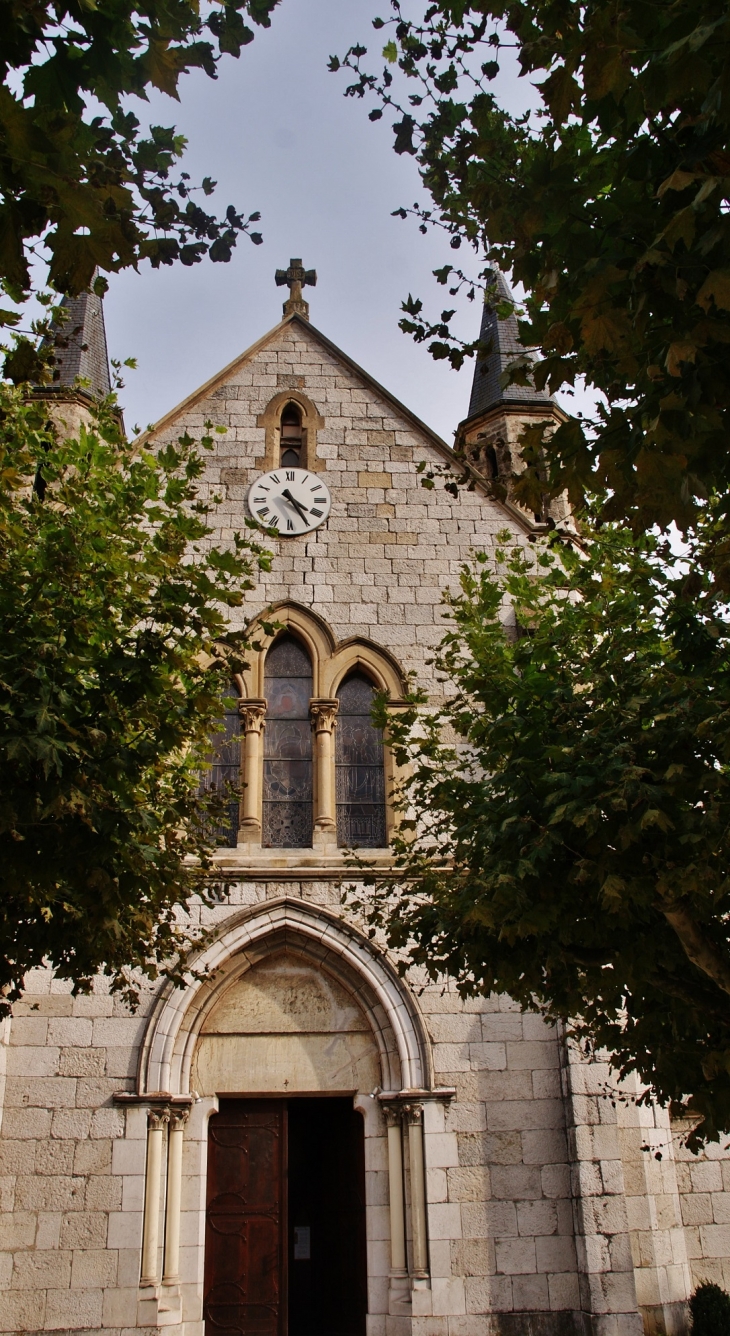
(300, 1142)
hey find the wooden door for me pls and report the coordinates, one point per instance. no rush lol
(245, 1284)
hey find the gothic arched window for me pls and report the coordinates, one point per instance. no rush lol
(360, 775)
(287, 796)
(225, 766)
(290, 455)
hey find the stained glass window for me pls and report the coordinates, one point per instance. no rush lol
(225, 767)
(360, 786)
(287, 810)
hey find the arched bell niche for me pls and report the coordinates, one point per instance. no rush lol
(286, 1026)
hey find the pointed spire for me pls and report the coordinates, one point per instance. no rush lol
(503, 336)
(79, 346)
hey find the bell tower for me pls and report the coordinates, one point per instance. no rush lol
(79, 362)
(489, 436)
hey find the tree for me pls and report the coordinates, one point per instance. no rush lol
(710, 1310)
(79, 180)
(571, 847)
(115, 650)
(610, 206)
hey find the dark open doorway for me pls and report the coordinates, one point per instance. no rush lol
(327, 1272)
(285, 1229)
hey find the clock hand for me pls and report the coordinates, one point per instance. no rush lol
(296, 504)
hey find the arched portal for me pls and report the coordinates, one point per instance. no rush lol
(321, 937)
(297, 1054)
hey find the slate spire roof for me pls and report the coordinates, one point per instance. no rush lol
(487, 391)
(79, 346)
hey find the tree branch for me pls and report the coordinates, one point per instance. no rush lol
(696, 946)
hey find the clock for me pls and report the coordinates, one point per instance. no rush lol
(293, 501)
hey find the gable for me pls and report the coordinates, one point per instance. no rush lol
(267, 346)
(296, 356)
(379, 567)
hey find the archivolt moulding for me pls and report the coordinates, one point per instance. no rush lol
(323, 938)
(331, 661)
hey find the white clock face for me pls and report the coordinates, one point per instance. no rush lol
(293, 501)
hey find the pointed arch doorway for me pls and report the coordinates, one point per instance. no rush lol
(285, 1225)
(194, 1042)
(285, 1247)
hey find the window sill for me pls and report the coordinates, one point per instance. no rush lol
(253, 861)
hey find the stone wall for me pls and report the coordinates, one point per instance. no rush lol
(703, 1183)
(540, 1197)
(391, 548)
(500, 1211)
(72, 1162)
(502, 1203)
(63, 1261)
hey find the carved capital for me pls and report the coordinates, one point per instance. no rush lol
(156, 1119)
(178, 1118)
(323, 711)
(413, 1114)
(252, 712)
(392, 1114)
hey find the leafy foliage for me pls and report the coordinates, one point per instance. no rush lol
(610, 206)
(569, 845)
(114, 652)
(78, 176)
(710, 1309)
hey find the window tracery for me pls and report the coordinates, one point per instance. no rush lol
(288, 779)
(224, 759)
(359, 767)
(299, 743)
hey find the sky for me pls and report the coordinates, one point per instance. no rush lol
(277, 134)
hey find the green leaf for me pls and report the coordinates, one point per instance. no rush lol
(612, 892)
(561, 93)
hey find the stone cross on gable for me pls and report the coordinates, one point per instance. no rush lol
(295, 278)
